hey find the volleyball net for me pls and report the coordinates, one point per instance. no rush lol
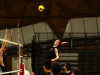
(21, 65)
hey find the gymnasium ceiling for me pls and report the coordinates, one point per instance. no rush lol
(56, 13)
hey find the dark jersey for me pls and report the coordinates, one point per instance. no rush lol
(48, 73)
(51, 54)
(4, 58)
(4, 61)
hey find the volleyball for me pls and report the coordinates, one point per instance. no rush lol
(41, 8)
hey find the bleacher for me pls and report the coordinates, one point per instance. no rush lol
(71, 58)
(87, 59)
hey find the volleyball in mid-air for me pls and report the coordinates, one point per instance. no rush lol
(41, 8)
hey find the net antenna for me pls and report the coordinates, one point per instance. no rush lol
(20, 52)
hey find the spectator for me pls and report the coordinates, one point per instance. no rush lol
(55, 68)
(46, 67)
(67, 69)
(76, 72)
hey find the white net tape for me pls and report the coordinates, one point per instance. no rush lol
(10, 72)
(11, 42)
